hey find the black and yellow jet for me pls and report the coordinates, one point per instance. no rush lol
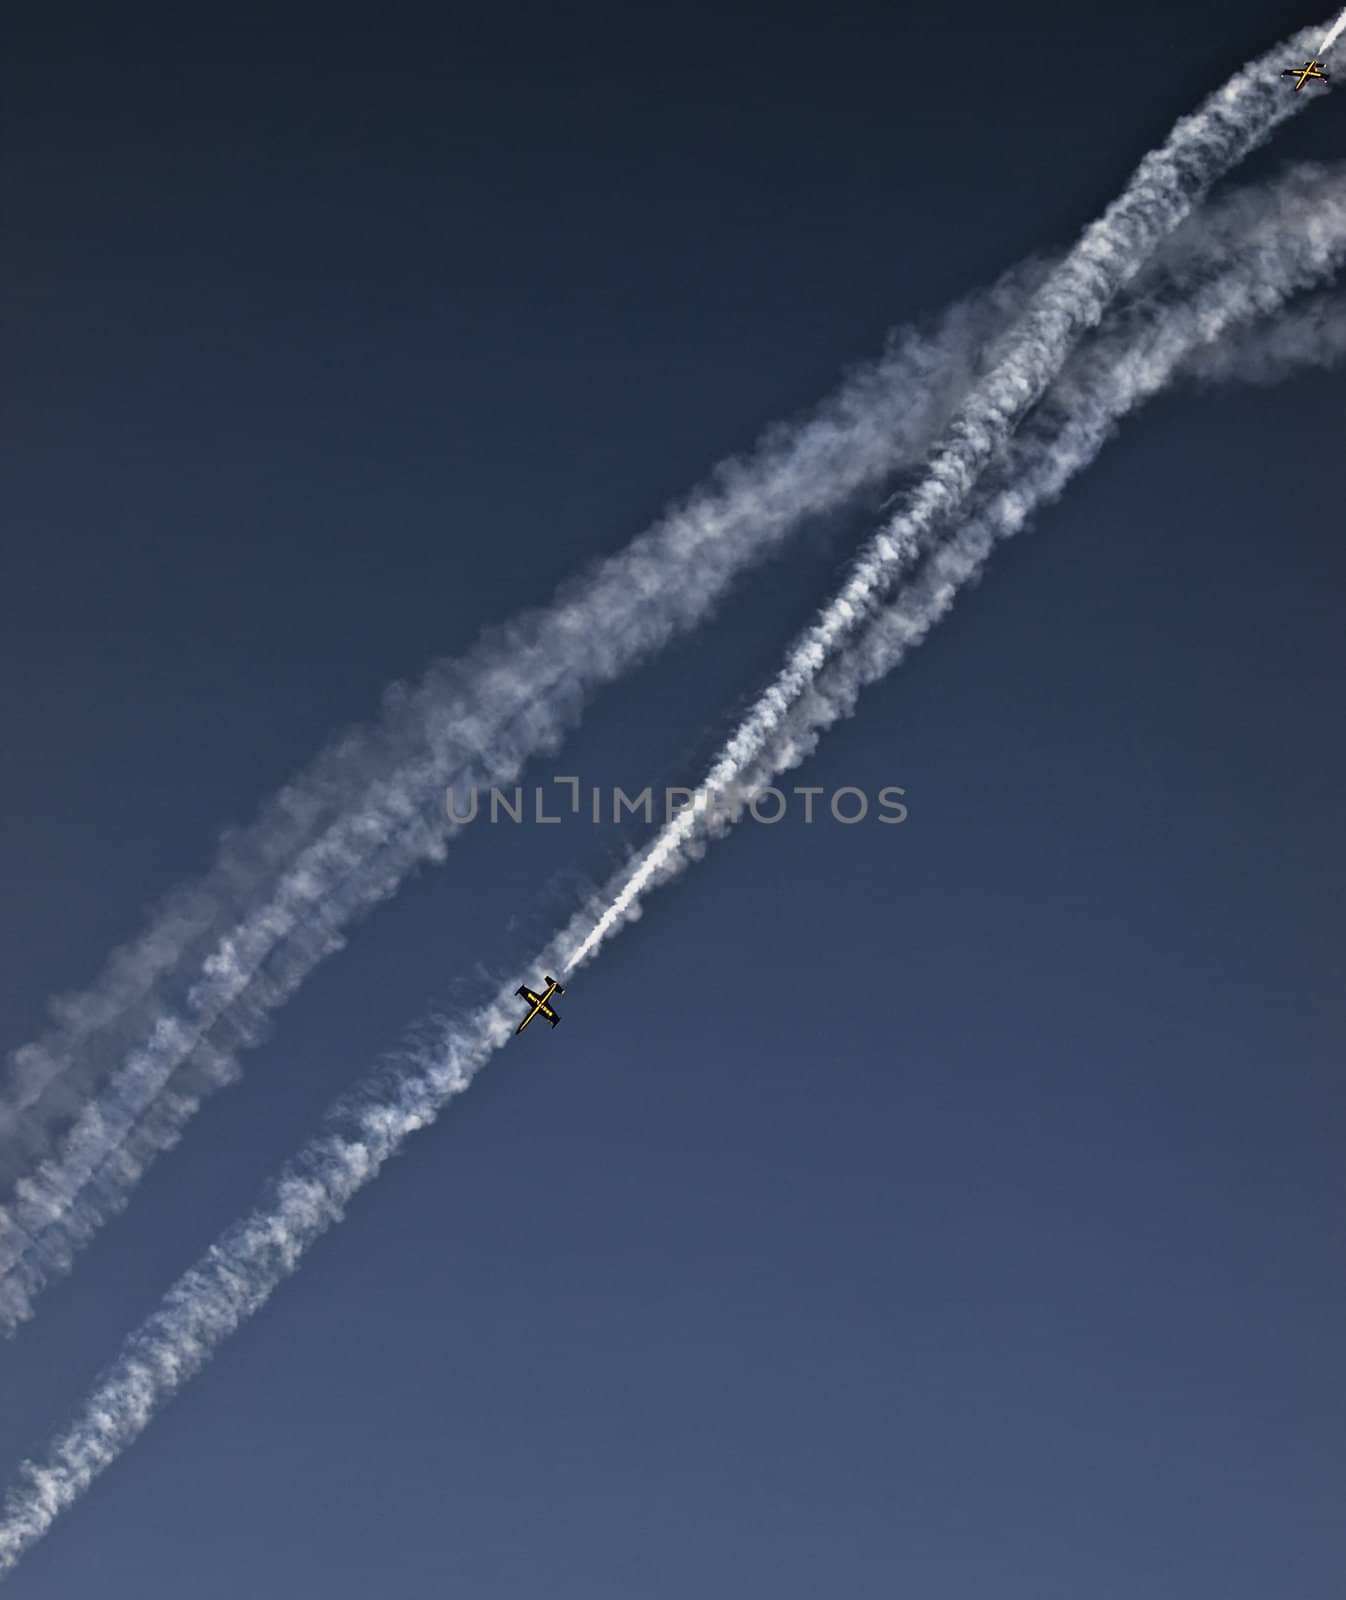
(539, 1003)
(1310, 69)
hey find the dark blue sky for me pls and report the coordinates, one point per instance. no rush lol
(950, 1209)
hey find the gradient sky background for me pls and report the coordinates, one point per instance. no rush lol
(951, 1210)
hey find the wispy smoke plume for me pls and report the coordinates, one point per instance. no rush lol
(1311, 335)
(242, 1269)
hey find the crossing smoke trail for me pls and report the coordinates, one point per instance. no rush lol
(90, 1105)
(1125, 366)
(1163, 191)
(366, 853)
(237, 1274)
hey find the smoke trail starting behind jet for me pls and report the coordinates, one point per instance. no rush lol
(1333, 34)
(1163, 191)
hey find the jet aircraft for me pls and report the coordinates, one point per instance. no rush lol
(539, 1003)
(1310, 69)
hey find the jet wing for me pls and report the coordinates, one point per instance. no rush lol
(525, 993)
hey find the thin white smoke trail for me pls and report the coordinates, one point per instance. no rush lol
(238, 1273)
(472, 723)
(1333, 34)
(1163, 191)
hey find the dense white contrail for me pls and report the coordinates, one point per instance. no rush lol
(1164, 189)
(84, 1124)
(241, 1270)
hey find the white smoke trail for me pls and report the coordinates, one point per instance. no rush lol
(239, 1273)
(375, 802)
(1164, 189)
(1334, 33)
